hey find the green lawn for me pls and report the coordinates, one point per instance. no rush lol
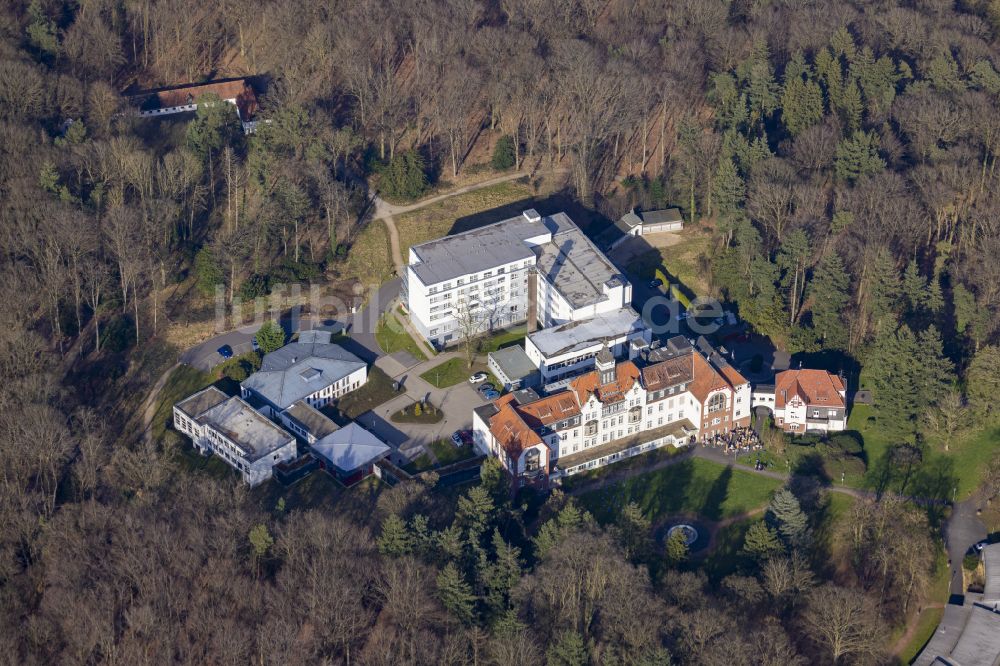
(462, 212)
(727, 556)
(392, 337)
(374, 392)
(502, 339)
(684, 262)
(642, 460)
(419, 464)
(447, 453)
(692, 486)
(316, 490)
(368, 260)
(927, 624)
(967, 456)
(449, 373)
(190, 461)
(183, 381)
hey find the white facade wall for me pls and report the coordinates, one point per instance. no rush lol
(501, 291)
(168, 110)
(209, 440)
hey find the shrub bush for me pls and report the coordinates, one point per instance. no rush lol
(207, 271)
(970, 562)
(254, 286)
(405, 176)
(503, 153)
(118, 335)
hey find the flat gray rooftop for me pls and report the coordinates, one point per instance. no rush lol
(979, 644)
(991, 562)
(562, 253)
(202, 401)
(574, 335)
(254, 433)
(574, 265)
(513, 361)
(476, 250)
(311, 419)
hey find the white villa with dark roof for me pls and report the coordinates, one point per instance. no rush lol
(527, 268)
(233, 430)
(312, 370)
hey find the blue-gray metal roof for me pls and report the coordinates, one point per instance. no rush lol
(299, 369)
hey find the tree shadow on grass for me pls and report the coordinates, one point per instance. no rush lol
(717, 494)
(918, 475)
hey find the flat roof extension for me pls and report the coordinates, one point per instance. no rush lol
(254, 433)
(577, 335)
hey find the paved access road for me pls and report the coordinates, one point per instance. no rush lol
(360, 326)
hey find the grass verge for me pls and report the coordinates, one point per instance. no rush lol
(421, 463)
(451, 372)
(447, 453)
(392, 337)
(461, 213)
(377, 390)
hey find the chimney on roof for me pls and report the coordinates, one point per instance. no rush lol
(532, 215)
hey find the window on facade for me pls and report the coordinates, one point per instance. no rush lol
(717, 402)
(590, 428)
(532, 461)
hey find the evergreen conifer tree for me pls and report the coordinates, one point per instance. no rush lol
(394, 540)
(456, 594)
(787, 517)
(828, 295)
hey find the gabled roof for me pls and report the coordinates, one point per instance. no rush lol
(510, 430)
(552, 409)
(299, 369)
(162, 98)
(708, 379)
(816, 388)
(626, 375)
(671, 372)
(351, 447)
(661, 216)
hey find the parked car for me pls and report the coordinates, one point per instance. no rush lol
(656, 283)
(460, 437)
(225, 351)
(491, 395)
(486, 387)
(478, 377)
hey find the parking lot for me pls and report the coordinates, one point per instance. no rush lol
(410, 439)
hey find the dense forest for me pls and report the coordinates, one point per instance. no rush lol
(842, 154)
